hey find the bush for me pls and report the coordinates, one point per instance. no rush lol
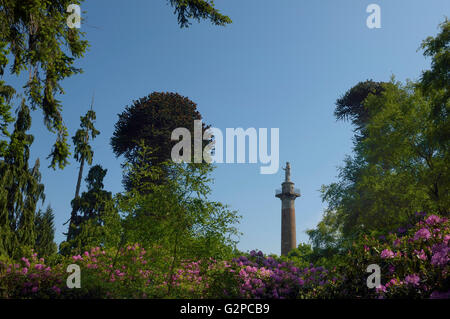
(414, 263)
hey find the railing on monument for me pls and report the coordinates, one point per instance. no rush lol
(278, 191)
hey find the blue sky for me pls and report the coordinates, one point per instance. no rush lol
(280, 64)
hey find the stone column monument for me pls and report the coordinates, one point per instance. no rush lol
(287, 194)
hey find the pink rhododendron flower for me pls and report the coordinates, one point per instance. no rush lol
(380, 289)
(422, 233)
(387, 254)
(412, 279)
(26, 261)
(78, 257)
(391, 269)
(420, 254)
(446, 239)
(440, 255)
(39, 266)
(433, 219)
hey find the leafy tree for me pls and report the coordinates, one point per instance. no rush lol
(301, 255)
(177, 215)
(151, 120)
(97, 222)
(83, 152)
(400, 158)
(398, 168)
(435, 84)
(438, 49)
(20, 188)
(45, 233)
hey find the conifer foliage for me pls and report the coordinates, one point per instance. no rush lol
(20, 188)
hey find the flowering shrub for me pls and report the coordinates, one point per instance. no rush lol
(414, 262)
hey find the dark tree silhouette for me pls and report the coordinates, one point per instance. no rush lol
(151, 120)
(351, 107)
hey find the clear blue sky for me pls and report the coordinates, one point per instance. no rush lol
(279, 64)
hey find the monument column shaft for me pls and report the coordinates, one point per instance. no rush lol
(288, 233)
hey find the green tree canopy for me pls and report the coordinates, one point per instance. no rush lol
(400, 160)
(351, 105)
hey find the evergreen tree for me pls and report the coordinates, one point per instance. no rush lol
(45, 233)
(20, 188)
(151, 120)
(96, 220)
(83, 153)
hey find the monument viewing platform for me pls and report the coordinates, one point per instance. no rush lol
(295, 191)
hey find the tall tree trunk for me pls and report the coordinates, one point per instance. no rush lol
(77, 194)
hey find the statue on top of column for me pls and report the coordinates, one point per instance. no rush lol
(287, 170)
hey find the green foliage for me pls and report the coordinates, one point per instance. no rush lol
(401, 154)
(83, 153)
(420, 251)
(36, 35)
(6, 94)
(413, 264)
(438, 49)
(45, 233)
(151, 120)
(177, 214)
(83, 149)
(96, 220)
(351, 107)
(301, 256)
(435, 84)
(198, 9)
(20, 189)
